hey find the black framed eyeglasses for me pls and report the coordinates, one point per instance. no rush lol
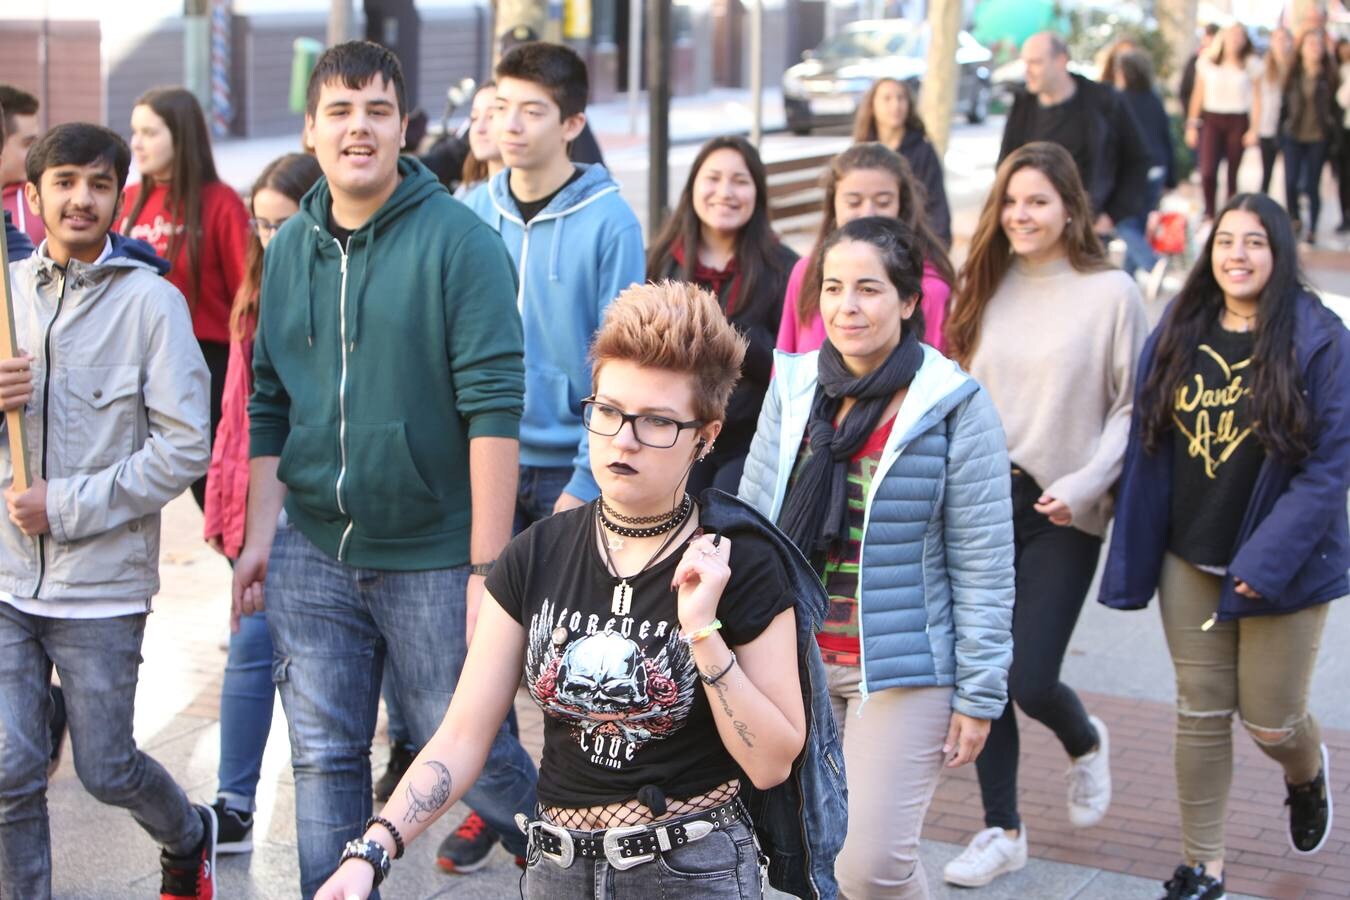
(658, 432)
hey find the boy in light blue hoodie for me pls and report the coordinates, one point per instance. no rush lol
(576, 245)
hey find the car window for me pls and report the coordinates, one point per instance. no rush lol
(854, 44)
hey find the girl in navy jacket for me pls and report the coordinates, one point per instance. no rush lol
(1232, 505)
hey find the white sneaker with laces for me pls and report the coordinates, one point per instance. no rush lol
(991, 853)
(1089, 779)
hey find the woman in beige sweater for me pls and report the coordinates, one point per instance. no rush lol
(1053, 332)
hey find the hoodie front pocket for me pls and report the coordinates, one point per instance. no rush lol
(100, 416)
(384, 492)
(547, 402)
(308, 468)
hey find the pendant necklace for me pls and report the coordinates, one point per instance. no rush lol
(621, 602)
(1246, 320)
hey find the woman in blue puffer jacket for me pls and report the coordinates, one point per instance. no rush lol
(887, 466)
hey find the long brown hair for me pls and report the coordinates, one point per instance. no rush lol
(193, 168)
(754, 244)
(474, 169)
(291, 175)
(872, 157)
(865, 119)
(991, 254)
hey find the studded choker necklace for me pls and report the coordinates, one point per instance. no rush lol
(639, 527)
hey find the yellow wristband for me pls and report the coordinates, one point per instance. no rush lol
(705, 631)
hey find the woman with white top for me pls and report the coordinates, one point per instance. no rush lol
(1223, 107)
(1270, 98)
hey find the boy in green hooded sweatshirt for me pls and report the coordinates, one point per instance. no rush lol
(388, 389)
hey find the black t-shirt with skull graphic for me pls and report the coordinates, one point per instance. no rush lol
(623, 705)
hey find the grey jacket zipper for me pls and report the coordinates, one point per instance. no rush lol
(46, 407)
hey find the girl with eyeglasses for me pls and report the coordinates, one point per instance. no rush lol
(247, 693)
(192, 219)
(659, 641)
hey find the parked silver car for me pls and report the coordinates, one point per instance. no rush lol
(824, 89)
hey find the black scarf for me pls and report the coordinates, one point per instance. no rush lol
(815, 514)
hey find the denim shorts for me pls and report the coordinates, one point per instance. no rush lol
(723, 865)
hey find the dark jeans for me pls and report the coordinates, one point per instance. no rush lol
(98, 661)
(540, 487)
(1303, 162)
(1270, 148)
(1343, 175)
(217, 358)
(332, 627)
(1054, 567)
(1139, 253)
(1220, 140)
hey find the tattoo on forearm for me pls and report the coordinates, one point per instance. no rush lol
(743, 730)
(423, 807)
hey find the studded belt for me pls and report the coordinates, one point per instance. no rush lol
(624, 848)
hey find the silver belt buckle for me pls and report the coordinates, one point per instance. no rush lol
(568, 854)
(613, 851)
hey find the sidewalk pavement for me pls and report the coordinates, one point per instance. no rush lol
(1118, 660)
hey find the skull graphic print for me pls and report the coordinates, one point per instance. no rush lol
(605, 686)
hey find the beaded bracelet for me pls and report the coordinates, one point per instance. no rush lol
(389, 827)
(702, 633)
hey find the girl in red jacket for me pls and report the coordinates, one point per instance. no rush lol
(191, 218)
(246, 695)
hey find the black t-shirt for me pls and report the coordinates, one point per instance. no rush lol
(623, 704)
(1068, 125)
(343, 235)
(1216, 456)
(531, 208)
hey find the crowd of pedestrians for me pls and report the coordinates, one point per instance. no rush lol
(770, 542)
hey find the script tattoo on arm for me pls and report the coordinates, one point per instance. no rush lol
(424, 807)
(719, 689)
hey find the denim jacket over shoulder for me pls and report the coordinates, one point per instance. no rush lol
(801, 823)
(1293, 546)
(936, 581)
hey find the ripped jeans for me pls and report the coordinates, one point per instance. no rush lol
(1259, 667)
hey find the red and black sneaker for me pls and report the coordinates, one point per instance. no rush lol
(467, 848)
(192, 877)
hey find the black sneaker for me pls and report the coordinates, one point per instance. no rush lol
(1191, 883)
(466, 849)
(400, 758)
(235, 831)
(1309, 812)
(192, 877)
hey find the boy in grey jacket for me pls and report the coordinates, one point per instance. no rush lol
(113, 390)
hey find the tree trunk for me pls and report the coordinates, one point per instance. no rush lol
(1176, 24)
(339, 22)
(937, 100)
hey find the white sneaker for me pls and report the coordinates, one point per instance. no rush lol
(991, 853)
(1089, 779)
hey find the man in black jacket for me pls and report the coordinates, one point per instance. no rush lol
(1088, 120)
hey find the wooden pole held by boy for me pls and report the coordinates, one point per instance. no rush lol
(14, 424)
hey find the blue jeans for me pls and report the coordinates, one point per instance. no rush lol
(246, 699)
(724, 865)
(332, 627)
(98, 661)
(540, 488)
(1303, 174)
(1139, 253)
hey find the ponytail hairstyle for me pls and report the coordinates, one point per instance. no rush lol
(991, 253)
(1279, 409)
(193, 169)
(898, 245)
(913, 212)
(291, 175)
